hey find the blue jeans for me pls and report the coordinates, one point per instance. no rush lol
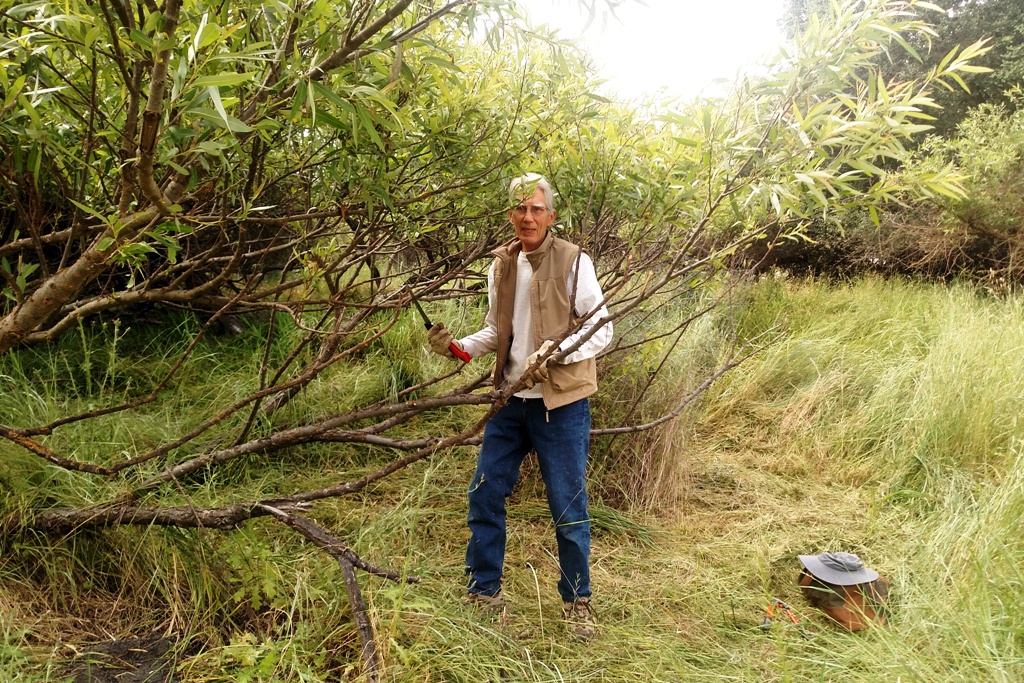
(561, 438)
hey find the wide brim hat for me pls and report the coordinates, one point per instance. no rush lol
(841, 569)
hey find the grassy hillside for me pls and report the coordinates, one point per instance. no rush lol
(886, 424)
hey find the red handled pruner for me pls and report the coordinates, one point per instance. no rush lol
(456, 350)
(769, 614)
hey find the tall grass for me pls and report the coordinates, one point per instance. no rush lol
(900, 384)
(907, 397)
(885, 423)
(644, 384)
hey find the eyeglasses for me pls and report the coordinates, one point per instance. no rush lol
(537, 210)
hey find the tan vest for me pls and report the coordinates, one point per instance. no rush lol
(551, 313)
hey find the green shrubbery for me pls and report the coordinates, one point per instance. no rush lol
(979, 235)
(984, 232)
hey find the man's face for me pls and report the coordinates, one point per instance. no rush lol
(531, 220)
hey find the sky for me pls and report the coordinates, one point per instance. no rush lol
(678, 46)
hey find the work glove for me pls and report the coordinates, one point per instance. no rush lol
(440, 339)
(536, 368)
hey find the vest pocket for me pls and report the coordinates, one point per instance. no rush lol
(567, 378)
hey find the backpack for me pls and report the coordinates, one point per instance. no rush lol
(852, 607)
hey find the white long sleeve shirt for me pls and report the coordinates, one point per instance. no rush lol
(588, 296)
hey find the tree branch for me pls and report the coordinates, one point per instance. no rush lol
(154, 109)
(44, 452)
(690, 397)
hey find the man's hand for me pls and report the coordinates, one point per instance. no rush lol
(537, 365)
(440, 340)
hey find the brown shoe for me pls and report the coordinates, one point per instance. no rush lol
(579, 619)
(492, 604)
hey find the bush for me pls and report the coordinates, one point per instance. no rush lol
(979, 235)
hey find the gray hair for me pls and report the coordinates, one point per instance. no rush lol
(532, 183)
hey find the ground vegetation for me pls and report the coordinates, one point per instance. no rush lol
(842, 437)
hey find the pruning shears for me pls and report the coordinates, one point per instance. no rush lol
(769, 614)
(453, 347)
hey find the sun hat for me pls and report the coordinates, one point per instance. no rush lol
(840, 569)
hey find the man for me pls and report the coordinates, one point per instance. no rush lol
(539, 286)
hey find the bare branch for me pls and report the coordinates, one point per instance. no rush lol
(745, 352)
(44, 452)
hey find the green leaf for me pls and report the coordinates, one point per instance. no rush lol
(89, 210)
(443, 63)
(331, 96)
(14, 90)
(331, 120)
(26, 269)
(311, 105)
(170, 244)
(223, 121)
(153, 20)
(300, 97)
(136, 249)
(30, 110)
(209, 34)
(367, 121)
(142, 40)
(223, 80)
(214, 93)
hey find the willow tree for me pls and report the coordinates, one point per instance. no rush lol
(956, 23)
(324, 163)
